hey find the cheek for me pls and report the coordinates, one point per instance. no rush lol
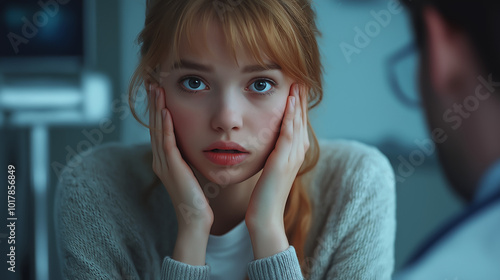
(273, 116)
(274, 121)
(268, 124)
(183, 118)
(183, 115)
(185, 123)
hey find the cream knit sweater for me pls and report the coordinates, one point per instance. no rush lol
(104, 232)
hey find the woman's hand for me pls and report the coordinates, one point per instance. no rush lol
(190, 204)
(267, 202)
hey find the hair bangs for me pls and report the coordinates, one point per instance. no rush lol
(248, 26)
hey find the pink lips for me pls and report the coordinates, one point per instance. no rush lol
(226, 158)
(221, 145)
(226, 153)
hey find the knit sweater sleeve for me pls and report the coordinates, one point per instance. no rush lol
(357, 209)
(96, 236)
(364, 236)
(360, 229)
(173, 269)
(89, 239)
(282, 265)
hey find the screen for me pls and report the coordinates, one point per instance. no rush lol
(32, 28)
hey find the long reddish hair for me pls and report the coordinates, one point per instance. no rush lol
(285, 30)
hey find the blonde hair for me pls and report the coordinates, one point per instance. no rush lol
(284, 30)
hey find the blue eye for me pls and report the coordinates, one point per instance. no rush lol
(262, 86)
(193, 84)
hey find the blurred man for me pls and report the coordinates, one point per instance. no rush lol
(459, 44)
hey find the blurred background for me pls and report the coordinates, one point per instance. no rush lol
(64, 71)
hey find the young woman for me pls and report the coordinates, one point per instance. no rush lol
(244, 189)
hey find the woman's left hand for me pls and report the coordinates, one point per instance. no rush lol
(268, 199)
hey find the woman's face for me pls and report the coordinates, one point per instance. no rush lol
(213, 99)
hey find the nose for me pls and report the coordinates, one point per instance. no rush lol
(227, 113)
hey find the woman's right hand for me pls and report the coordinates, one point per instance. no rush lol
(190, 204)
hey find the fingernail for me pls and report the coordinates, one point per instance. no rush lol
(293, 100)
(163, 113)
(157, 93)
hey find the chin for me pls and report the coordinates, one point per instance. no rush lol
(230, 176)
(225, 176)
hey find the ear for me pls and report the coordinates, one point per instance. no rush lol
(448, 54)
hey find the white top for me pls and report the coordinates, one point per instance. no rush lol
(228, 254)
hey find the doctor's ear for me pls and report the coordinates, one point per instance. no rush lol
(449, 53)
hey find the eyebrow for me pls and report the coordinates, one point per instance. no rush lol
(186, 64)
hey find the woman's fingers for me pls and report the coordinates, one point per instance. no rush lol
(297, 123)
(285, 139)
(152, 125)
(303, 93)
(158, 125)
(168, 164)
(169, 148)
(300, 142)
(303, 97)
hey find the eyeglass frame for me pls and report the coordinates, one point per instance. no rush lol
(394, 84)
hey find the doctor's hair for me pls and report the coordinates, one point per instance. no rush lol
(478, 19)
(284, 30)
